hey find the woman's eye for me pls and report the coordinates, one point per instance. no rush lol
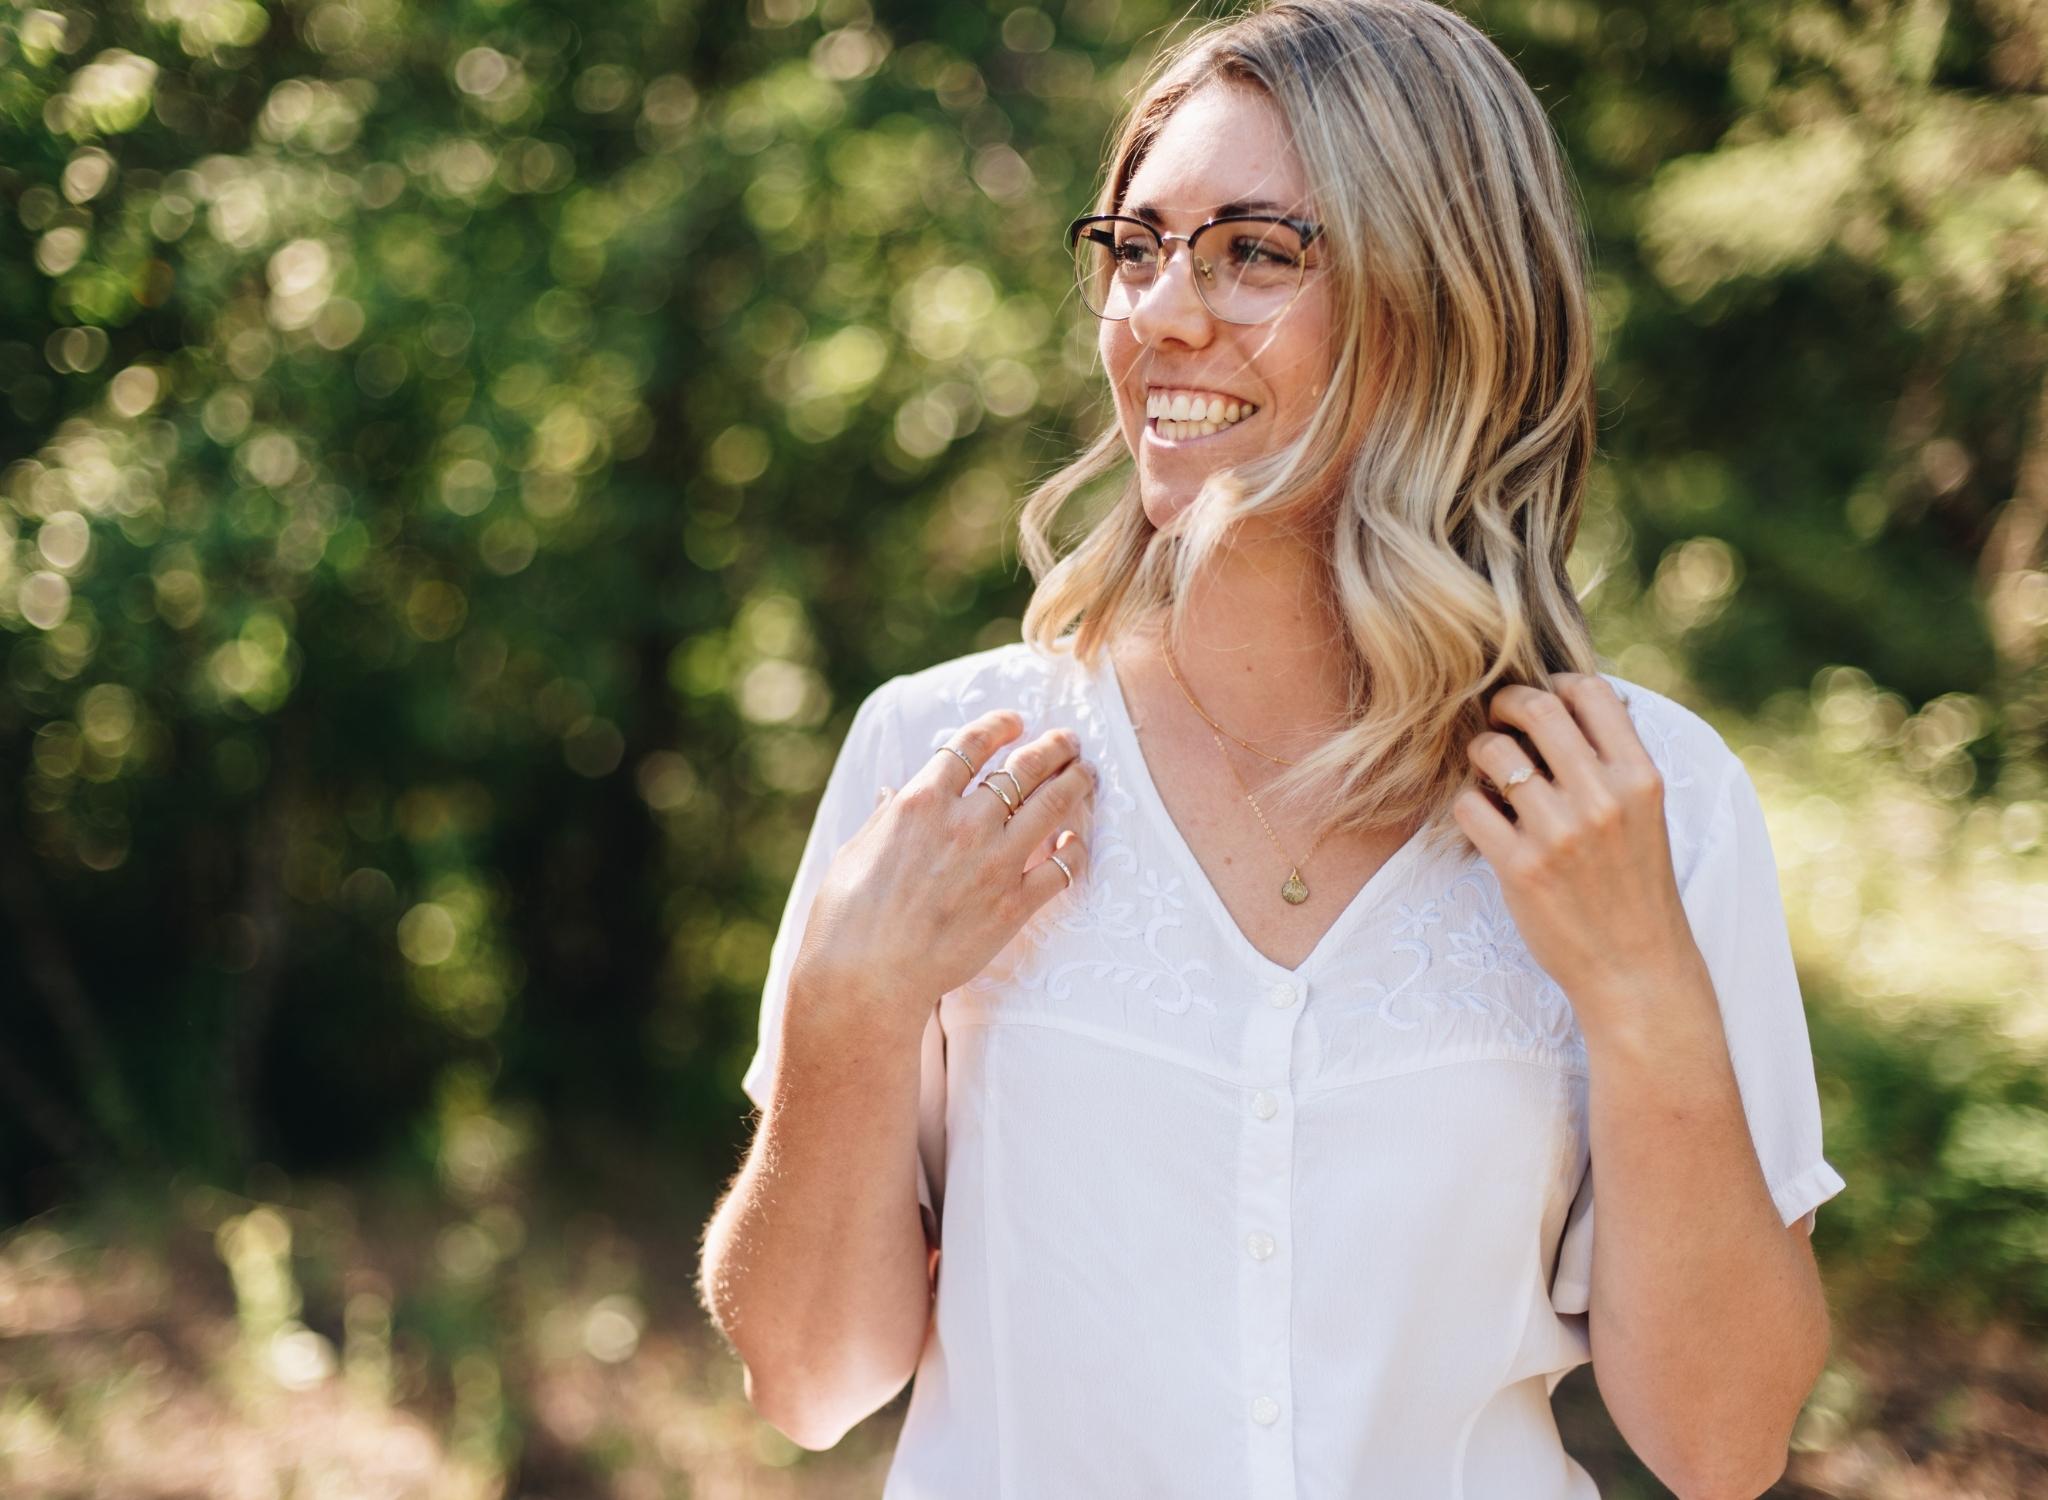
(1251, 252)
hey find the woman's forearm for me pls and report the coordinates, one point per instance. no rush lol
(1708, 1322)
(815, 1265)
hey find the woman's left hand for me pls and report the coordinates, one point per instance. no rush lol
(1585, 866)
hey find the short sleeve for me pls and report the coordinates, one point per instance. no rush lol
(1737, 913)
(871, 757)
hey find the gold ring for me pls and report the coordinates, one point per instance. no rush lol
(963, 758)
(1002, 794)
(1015, 785)
(1063, 868)
(1516, 780)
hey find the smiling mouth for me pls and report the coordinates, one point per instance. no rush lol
(1166, 430)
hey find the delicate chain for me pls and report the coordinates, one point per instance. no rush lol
(1262, 817)
(1216, 733)
(1211, 722)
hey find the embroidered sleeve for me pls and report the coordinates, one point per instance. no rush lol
(872, 757)
(1732, 897)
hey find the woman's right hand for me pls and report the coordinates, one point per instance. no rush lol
(935, 883)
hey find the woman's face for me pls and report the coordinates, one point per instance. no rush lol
(1223, 144)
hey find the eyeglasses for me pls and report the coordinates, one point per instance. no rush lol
(1247, 268)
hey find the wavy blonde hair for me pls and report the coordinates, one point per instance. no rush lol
(1441, 475)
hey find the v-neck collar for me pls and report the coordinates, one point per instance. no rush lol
(1132, 757)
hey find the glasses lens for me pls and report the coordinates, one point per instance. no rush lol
(1115, 261)
(1251, 268)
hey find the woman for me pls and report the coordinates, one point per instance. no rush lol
(1248, 1060)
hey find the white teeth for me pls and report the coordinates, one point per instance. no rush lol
(1197, 408)
(1179, 417)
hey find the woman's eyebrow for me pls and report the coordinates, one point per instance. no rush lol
(1154, 217)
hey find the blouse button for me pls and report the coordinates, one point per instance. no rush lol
(1260, 1244)
(1264, 1105)
(1281, 994)
(1265, 1411)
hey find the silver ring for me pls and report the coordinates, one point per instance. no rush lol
(963, 759)
(1063, 868)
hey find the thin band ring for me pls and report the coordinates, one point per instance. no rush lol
(1012, 806)
(971, 768)
(1516, 780)
(1063, 868)
(1016, 786)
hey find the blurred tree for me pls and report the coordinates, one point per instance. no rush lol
(459, 465)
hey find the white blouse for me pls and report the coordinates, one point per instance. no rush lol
(1212, 1226)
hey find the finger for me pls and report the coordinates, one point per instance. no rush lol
(1603, 714)
(1536, 800)
(1549, 724)
(977, 741)
(1081, 821)
(1048, 880)
(1030, 766)
(1054, 803)
(1486, 825)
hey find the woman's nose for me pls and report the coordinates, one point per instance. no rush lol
(1172, 307)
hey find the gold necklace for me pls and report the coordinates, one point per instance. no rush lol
(1218, 728)
(1295, 891)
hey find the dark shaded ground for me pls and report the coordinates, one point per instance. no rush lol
(349, 1342)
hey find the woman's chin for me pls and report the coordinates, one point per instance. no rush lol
(1165, 503)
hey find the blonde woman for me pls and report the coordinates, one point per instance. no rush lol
(1243, 977)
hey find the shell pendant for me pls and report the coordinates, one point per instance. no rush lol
(1294, 892)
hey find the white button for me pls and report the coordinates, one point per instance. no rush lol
(1265, 1411)
(1264, 1105)
(1260, 1244)
(1281, 994)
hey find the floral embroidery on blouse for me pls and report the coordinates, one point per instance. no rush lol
(1107, 905)
(1467, 982)
(1472, 987)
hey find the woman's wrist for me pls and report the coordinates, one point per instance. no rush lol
(850, 1014)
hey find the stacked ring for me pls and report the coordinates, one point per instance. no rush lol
(1010, 798)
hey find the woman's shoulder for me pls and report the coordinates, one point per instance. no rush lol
(941, 697)
(1002, 677)
(1690, 754)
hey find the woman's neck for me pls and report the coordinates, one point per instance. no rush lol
(1261, 655)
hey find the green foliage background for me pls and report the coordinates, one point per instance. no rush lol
(460, 464)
